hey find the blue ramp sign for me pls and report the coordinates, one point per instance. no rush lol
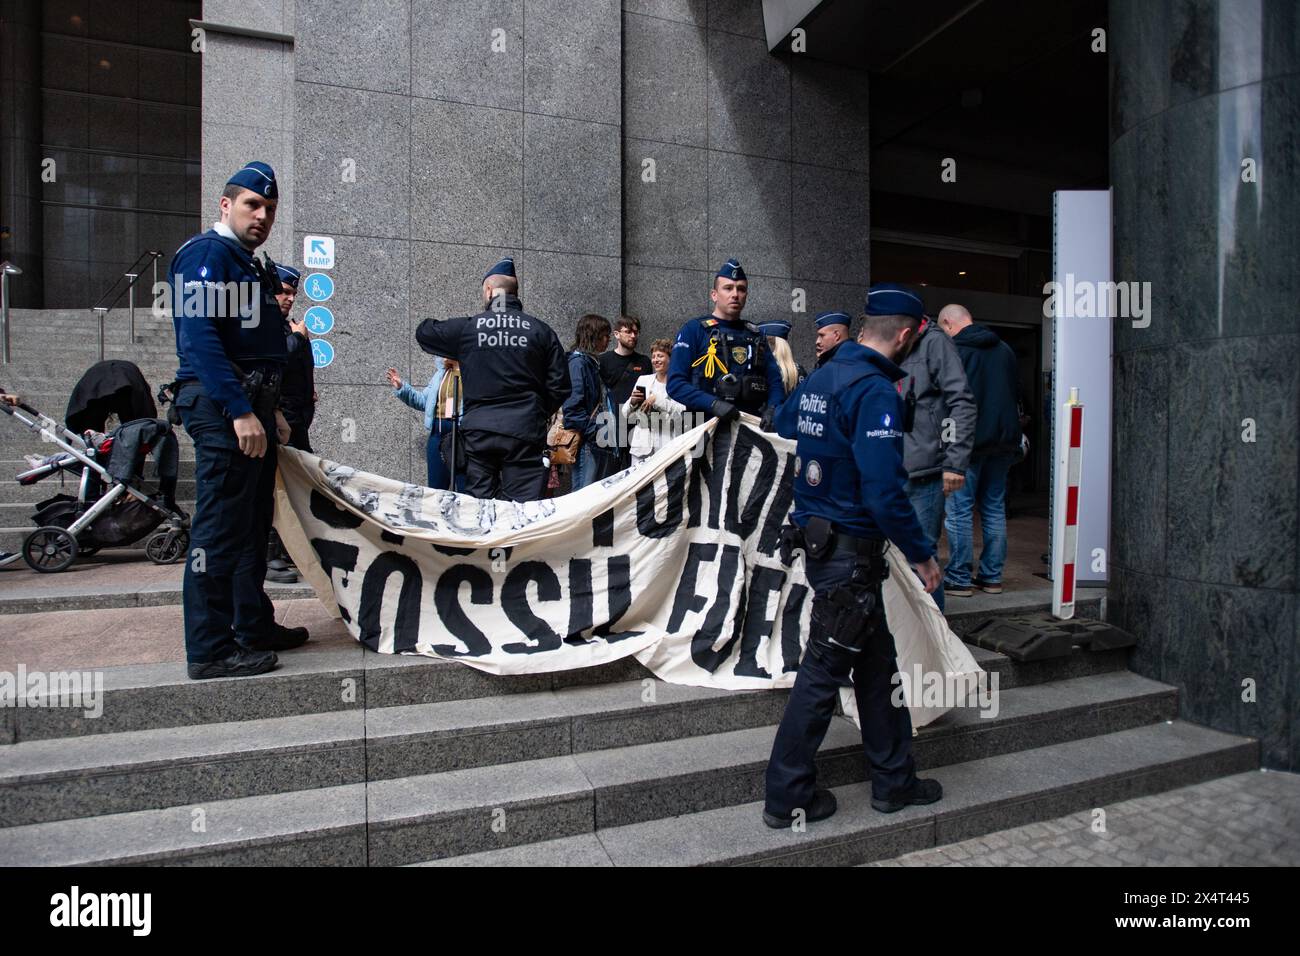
(322, 353)
(318, 287)
(319, 319)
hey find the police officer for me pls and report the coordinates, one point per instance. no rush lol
(832, 329)
(515, 376)
(720, 363)
(297, 404)
(298, 392)
(231, 349)
(849, 505)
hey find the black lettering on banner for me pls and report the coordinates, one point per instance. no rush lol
(322, 509)
(580, 600)
(391, 538)
(646, 522)
(619, 570)
(702, 651)
(514, 600)
(746, 521)
(791, 646)
(686, 600)
(762, 582)
(770, 539)
(713, 468)
(335, 555)
(453, 552)
(602, 529)
(406, 621)
(446, 599)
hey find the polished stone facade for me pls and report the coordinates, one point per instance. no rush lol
(1204, 98)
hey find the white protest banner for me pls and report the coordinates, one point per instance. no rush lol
(678, 561)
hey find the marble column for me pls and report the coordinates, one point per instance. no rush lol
(1205, 150)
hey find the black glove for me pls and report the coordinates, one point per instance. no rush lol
(769, 414)
(724, 411)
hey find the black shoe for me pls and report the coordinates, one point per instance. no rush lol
(282, 575)
(923, 791)
(242, 663)
(279, 563)
(823, 806)
(280, 638)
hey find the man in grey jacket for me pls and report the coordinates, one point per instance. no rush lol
(937, 449)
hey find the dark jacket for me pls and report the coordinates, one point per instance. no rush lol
(512, 365)
(994, 377)
(112, 387)
(589, 398)
(935, 374)
(847, 418)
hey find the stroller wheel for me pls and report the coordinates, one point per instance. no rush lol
(49, 549)
(167, 547)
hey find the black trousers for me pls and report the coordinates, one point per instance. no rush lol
(502, 466)
(886, 729)
(224, 597)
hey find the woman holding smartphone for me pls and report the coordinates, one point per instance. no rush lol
(653, 418)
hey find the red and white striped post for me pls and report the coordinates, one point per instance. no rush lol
(1065, 516)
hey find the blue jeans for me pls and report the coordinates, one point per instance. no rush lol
(985, 488)
(439, 474)
(591, 466)
(926, 495)
(886, 729)
(223, 592)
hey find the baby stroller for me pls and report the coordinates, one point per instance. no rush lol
(112, 507)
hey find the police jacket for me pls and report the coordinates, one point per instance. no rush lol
(847, 418)
(512, 366)
(934, 374)
(707, 350)
(223, 312)
(299, 379)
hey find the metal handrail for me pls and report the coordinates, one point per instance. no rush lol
(132, 276)
(7, 269)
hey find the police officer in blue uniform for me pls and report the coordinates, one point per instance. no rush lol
(516, 376)
(832, 329)
(849, 506)
(231, 347)
(720, 363)
(298, 393)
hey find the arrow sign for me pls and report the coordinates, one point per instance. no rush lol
(318, 252)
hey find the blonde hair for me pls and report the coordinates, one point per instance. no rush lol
(785, 362)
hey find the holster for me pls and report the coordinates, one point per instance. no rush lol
(262, 388)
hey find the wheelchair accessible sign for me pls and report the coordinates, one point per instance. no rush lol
(318, 287)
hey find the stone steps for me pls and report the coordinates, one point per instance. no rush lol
(346, 757)
(543, 810)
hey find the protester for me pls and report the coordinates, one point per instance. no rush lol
(436, 401)
(652, 416)
(720, 363)
(515, 378)
(589, 409)
(621, 366)
(848, 506)
(993, 375)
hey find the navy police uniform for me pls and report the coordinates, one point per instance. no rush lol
(299, 375)
(719, 365)
(230, 347)
(849, 504)
(515, 376)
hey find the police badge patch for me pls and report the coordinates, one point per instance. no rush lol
(814, 474)
(739, 354)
